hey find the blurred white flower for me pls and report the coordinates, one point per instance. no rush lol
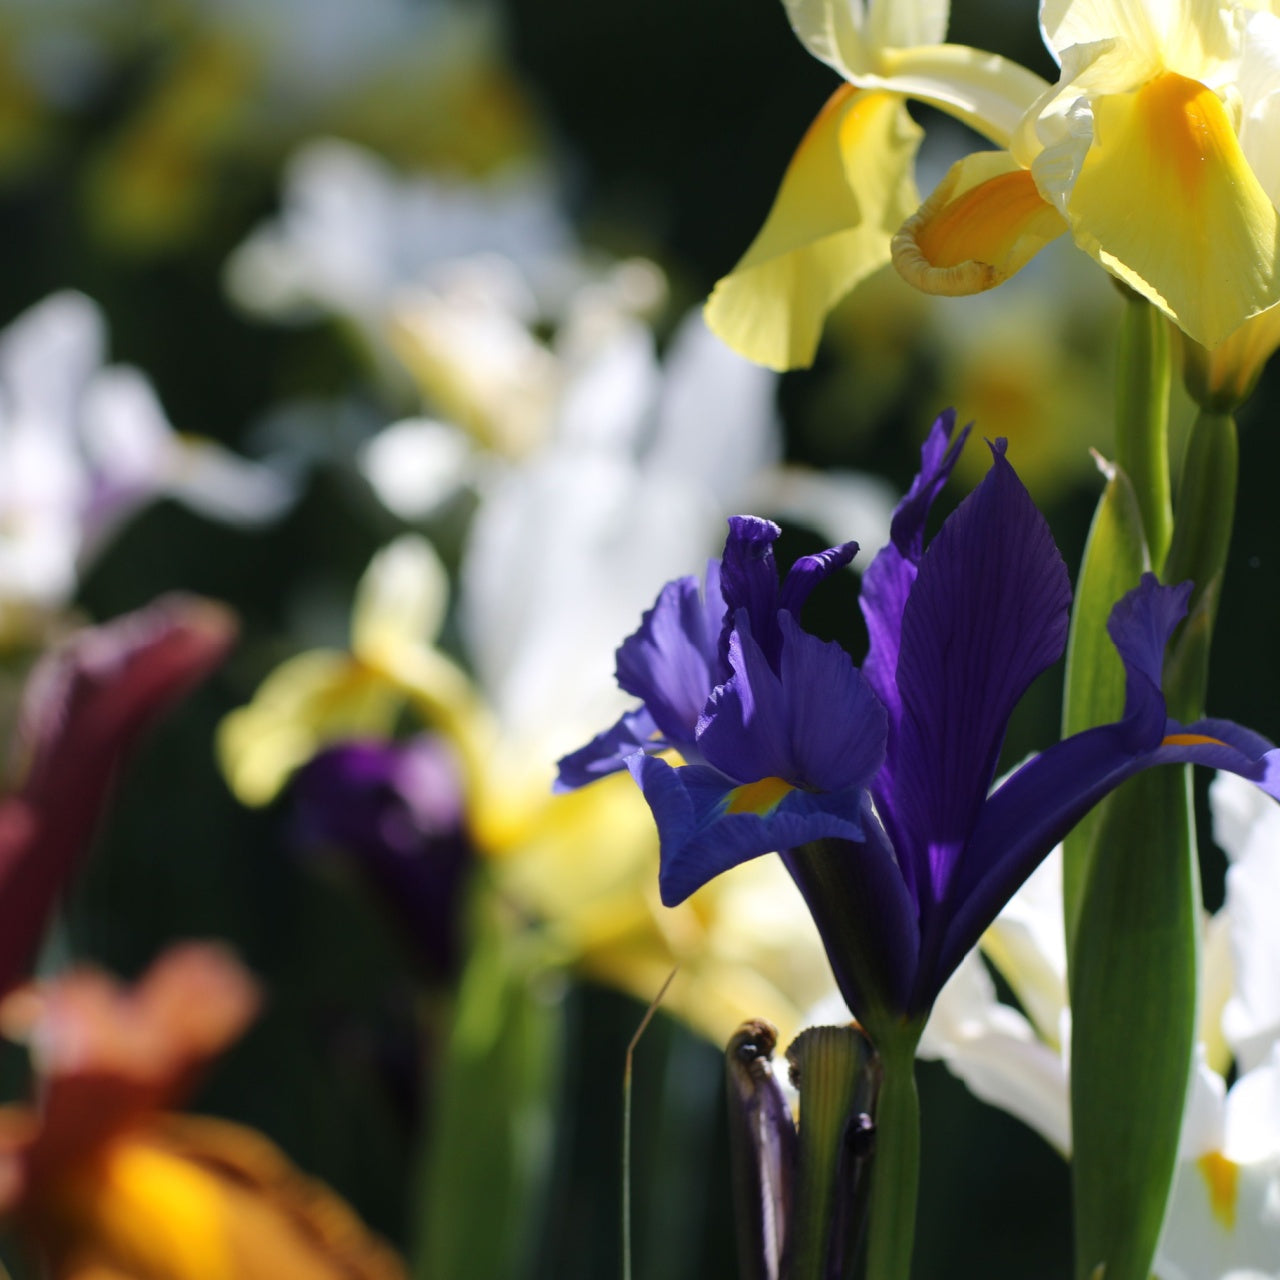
(83, 446)
(353, 235)
(1223, 1221)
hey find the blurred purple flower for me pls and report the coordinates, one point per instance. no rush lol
(86, 705)
(876, 785)
(397, 809)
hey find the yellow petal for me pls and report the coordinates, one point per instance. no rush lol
(846, 190)
(306, 702)
(185, 1198)
(984, 222)
(1166, 201)
(401, 599)
(1224, 378)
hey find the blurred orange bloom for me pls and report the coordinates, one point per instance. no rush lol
(102, 1184)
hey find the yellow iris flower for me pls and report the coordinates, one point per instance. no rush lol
(1156, 149)
(583, 866)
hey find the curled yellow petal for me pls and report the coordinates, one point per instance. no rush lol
(847, 188)
(984, 222)
(1167, 201)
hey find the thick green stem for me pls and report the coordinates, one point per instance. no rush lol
(1206, 513)
(895, 1171)
(1142, 418)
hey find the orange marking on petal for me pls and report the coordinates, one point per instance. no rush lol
(1222, 1177)
(760, 797)
(985, 221)
(1191, 740)
(979, 225)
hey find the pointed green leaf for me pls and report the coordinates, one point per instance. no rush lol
(491, 1116)
(1115, 557)
(1133, 999)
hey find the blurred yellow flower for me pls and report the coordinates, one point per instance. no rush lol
(582, 866)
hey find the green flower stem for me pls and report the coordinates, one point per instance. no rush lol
(895, 1170)
(1142, 417)
(1206, 513)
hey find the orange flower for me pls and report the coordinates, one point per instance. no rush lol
(103, 1185)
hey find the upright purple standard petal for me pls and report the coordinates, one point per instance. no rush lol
(988, 613)
(888, 581)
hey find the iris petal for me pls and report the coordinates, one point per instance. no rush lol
(988, 613)
(608, 752)
(1211, 266)
(848, 188)
(985, 221)
(698, 838)
(671, 662)
(1044, 799)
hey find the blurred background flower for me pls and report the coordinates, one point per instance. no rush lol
(433, 264)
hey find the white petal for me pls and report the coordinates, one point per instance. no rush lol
(716, 421)
(1251, 1020)
(415, 466)
(1253, 1114)
(994, 1050)
(1026, 943)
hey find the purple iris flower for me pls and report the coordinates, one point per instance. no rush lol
(876, 785)
(397, 809)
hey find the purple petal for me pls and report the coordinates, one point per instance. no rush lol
(609, 751)
(815, 723)
(988, 613)
(700, 836)
(887, 582)
(1140, 626)
(397, 809)
(749, 578)
(1044, 799)
(1038, 805)
(808, 571)
(670, 663)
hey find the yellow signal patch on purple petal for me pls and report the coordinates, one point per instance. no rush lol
(760, 798)
(1222, 1176)
(1191, 740)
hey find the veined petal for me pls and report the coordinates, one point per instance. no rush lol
(1026, 816)
(987, 614)
(814, 723)
(670, 663)
(985, 221)
(1202, 244)
(887, 583)
(847, 189)
(707, 824)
